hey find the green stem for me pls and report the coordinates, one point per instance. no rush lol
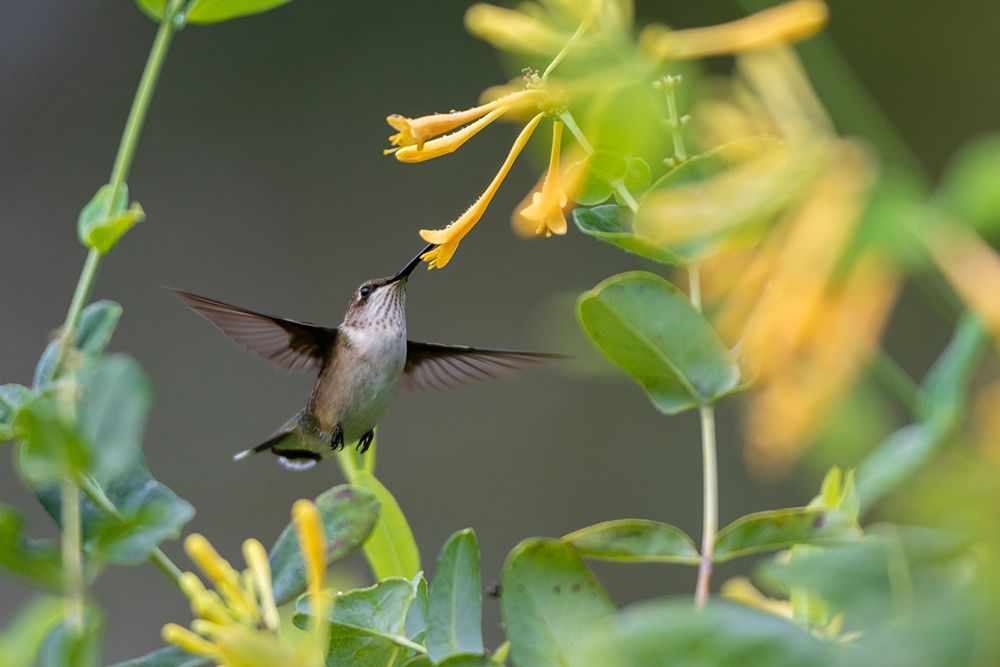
(891, 375)
(120, 170)
(710, 475)
(674, 120)
(623, 193)
(72, 556)
(97, 496)
(595, 6)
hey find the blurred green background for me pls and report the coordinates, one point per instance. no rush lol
(262, 176)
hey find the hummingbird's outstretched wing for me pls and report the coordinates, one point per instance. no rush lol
(434, 366)
(288, 344)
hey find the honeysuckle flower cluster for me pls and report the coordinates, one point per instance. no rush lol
(237, 623)
(588, 28)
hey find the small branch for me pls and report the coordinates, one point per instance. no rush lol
(891, 375)
(710, 476)
(72, 557)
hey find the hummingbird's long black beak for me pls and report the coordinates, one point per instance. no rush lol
(405, 272)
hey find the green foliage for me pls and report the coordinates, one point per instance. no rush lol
(36, 562)
(211, 11)
(348, 513)
(943, 401)
(612, 223)
(170, 656)
(455, 610)
(102, 222)
(970, 184)
(51, 448)
(97, 324)
(650, 328)
(390, 549)
(367, 626)
(551, 605)
(634, 541)
(21, 640)
(781, 529)
(66, 646)
(605, 173)
(671, 632)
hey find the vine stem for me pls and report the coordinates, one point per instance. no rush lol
(71, 529)
(710, 473)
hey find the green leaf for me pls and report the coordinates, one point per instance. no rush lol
(652, 331)
(97, 323)
(169, 656)
(102, 223)
(456, 600)
(945, 388)
(23, 637)
(612, 224)
(149, 514)
(601, 170)
(12, 397)
(367, 625)
(390, 549)
(349, 514)
(51, 447)
(781, 529)
(417, 618)
(605, 172)
(634, 541)
(672, 632)
(213, 11)
(970, 183)
(551, 604)
(65, 647)
(115, 396)
(36, 562)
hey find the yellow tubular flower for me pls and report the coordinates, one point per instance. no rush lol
(449, 143)
(239, 626)
(417, 131)
(447, 239)
(783, 24)
(512, 30)
(546, 209)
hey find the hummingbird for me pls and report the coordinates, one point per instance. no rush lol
(358, 364)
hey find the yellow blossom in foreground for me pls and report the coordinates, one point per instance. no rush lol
(417, 131)
(783, 24)
(545, 213)
(447, 239)
(237, 624)
(512, 30)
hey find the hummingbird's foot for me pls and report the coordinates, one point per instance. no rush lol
(337, 437)
(366, 441)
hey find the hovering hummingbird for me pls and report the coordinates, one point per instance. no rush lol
(358, 364)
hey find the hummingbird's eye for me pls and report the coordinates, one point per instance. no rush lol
(365, 291)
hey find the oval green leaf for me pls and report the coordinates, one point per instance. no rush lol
(455, 619)
(102, 222)
(349, 515)
(651, 330)
(782, 529)
(97, 324)
(612, 223)
(214, 11)
(36, 562)
(634, 541)
(390, 549)
(551, 604)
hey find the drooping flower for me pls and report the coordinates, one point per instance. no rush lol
(237, 623)
(447, 239)
(545, 213)
(414, 133)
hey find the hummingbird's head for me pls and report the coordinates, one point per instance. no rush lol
(382, 302)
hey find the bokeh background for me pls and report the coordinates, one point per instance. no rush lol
(261, 173)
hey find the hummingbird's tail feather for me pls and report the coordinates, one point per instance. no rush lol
(295, 448)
